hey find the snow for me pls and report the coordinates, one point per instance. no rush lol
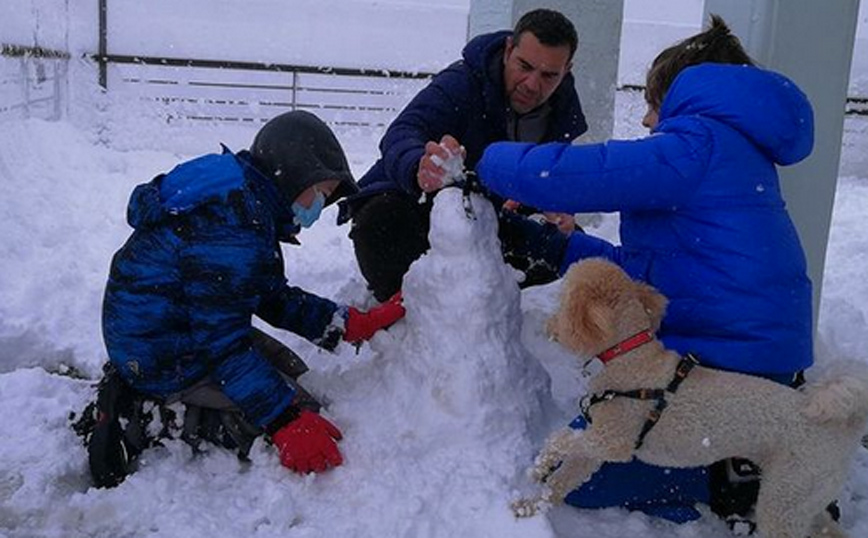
(441, 414)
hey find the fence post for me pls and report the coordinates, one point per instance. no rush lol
(294, 90)
(103, 44)
(25, 86)
(57, 92)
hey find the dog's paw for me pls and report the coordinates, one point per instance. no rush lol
(544, 465)
(523, 508)
(560, 482)
(556, 449)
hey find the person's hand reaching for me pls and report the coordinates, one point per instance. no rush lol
(441, 164)
(361, 326)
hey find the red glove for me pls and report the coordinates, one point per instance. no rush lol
(362, 325)
(308, 444)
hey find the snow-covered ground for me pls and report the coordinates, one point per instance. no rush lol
(440, 414)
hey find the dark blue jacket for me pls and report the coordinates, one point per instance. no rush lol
(203, 259)
(467, 101)
(702, 216)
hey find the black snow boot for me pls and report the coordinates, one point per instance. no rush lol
(113, 447)
(734, 485)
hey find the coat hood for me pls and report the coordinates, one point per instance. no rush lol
(480, 50)
(765, 107)
(297, 150)
(209, 179)
(203, 180)
(206, 179)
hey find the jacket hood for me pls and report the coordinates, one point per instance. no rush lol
(297, 150)
(477, 53)
(206, 179)
(765, 107)
(203, 180)
(209, 179)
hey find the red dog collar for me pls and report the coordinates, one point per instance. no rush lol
(624, 346)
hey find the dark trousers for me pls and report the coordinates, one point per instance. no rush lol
(390, 232)
(207, 393)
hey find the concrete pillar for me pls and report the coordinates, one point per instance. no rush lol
(812, 43)
(595, 67)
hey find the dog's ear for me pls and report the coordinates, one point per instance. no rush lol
(654, 303)
(583, 323)
(594, 326)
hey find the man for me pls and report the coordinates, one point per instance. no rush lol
(203, 259)
(510, 85)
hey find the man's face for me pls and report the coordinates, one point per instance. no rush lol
(532, 71)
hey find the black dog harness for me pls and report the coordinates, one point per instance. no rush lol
(686, 364)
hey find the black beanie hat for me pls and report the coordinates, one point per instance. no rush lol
(297, 150)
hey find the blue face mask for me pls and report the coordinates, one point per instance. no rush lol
(306, 216)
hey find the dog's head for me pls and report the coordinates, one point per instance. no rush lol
(600, 306)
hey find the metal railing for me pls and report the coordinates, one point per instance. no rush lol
(853, 106)
(189, 89)
(32, 82)
(196, 89)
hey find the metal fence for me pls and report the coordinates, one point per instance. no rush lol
(194, 90)
(857, 106)
(854, 106)
(33, 82)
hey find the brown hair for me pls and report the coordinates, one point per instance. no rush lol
(717, 44)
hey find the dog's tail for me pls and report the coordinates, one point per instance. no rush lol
(842, 397)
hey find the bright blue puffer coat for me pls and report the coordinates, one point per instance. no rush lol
(702, 216)
(203, 259)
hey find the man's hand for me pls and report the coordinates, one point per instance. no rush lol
(440, 164)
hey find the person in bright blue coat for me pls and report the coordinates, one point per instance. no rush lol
(702, 219)
(204, 259)
(509, 85)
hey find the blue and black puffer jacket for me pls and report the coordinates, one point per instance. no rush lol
(204, 258)
(702, 215)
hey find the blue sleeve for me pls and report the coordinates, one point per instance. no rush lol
(661, 171)
(222, 272)
(542, 243)
(581, 246)
(305, 314)
(440, 108)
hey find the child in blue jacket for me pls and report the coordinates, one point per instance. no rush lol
(702, 220)
(204, 258)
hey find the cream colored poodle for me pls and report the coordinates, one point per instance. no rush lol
(803, 440)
